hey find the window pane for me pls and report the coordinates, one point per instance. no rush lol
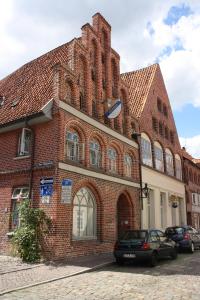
(146, 152)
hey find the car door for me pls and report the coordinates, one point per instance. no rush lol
(193, 234)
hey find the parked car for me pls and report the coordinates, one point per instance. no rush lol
(185, 237)
(148, 245)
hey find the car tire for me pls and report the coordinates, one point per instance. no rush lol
(174, 254)
(119, 261)
(153, 260)
(191, 249)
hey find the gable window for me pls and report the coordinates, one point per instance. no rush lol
(169, 162)
(74, 149)
(128, 165)
(24, 146)
(158, 153)
(178, 167)
(155, 124)
(159, 104)
(172, 137)
(95, 154)
(84, 215)
(165, 112)
(146, 150)
(20, 193)
(112, 160)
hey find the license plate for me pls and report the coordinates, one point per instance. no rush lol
(129, 255)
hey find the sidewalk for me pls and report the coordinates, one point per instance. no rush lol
(16, 275)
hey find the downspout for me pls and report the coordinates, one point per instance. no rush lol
(32, 165)
(137, 137)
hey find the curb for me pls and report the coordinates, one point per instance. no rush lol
(87, 270)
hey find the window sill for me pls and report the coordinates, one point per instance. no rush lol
(10, 234)
(21, 157)
(84, 239)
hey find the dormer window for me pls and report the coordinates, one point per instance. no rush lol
(24, 146)
(2, 99)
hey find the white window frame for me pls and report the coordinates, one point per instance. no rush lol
(158, 154)
(22, 151)
(112, 160)
(74, 149)
(16, 198)
(178, 166)
(79, 232)
(128, 165)
(146, 151)
(95, 154)
(169, 162)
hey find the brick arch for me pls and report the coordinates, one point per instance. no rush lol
(77, 126)
(116, 146)
(125, 209)
(92, 186)
(99, 138)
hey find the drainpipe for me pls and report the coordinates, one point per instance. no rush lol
(137, 137)
(32, 165)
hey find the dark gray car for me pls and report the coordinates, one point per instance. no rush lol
(149, 245)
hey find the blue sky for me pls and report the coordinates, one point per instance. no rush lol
(143, 32)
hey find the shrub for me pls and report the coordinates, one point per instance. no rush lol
(28, 237)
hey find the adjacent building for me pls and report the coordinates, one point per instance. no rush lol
(161, 154)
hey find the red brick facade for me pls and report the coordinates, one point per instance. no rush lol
(79, 76)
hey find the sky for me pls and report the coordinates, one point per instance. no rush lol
(143, 32)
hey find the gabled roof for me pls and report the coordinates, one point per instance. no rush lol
(30, 87)
(139, 85)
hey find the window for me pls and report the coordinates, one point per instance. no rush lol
(172, 137)
(159, 104)
(155, 124)
(178, 167)
(84, 215)
(112, 160)
(169, 162)
(128, 165)
(74, 149)
(24, 146)
(95, 154)
(17, 195)
(166, 133)
(146, 150)
(154, 236)
(165, 112)
(158, 153)
(160, 128)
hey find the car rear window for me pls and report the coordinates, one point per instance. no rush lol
(135, 235)
(177, 230)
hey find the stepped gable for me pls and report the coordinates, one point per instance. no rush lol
(30, 87)
(139, 82)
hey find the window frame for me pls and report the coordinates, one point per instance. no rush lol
(22, 142)
(15, 201)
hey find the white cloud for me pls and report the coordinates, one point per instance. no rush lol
(192, 145)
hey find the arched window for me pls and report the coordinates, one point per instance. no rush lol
(84, 215)
(146, 150)
(114, 79)
(178, 167)
(95, 154)
(74, 149)
(112, 160)
(158, 153)
(169, 162)
(128, 165)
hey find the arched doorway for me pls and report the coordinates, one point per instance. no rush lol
(124, 214)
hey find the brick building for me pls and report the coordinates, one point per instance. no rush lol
(191, 172)
(161, 154)
(55, 139)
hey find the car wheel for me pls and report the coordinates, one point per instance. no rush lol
(119, 261)
(154, 260)
(174, 254)
(191, 249)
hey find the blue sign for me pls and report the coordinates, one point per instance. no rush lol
(115, 110)
(66, 182)
(46, 187)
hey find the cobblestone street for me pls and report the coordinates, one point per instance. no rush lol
(170, 280)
